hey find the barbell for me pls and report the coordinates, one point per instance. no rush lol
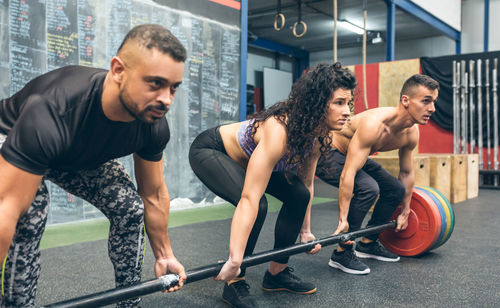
(430, 225)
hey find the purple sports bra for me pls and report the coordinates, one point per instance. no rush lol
(245, 139)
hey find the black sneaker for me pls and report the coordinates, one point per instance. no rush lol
(347, 262)
(375, 250)
(237, 295)
(286, 281)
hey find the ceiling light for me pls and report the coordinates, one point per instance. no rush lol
(351, 27)
(377, 39)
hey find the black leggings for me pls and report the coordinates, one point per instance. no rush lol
(225, 178)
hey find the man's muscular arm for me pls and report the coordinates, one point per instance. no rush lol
(359, 148)
(407, 175)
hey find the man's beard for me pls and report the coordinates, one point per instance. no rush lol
(131, 108)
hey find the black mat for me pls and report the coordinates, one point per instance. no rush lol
(464, 272)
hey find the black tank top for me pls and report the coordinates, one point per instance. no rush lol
(56, 122)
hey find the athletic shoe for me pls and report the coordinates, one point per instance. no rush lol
(286, 281)
(237, 295)
(375, 250)
(347, 262)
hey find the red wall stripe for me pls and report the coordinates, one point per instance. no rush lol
(372, 76)
(434, 139)
(230, 3)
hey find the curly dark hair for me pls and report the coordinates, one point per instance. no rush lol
(303, 113)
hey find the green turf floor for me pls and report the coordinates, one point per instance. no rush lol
(85, 231)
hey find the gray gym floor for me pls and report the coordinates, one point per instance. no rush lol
(464, 272)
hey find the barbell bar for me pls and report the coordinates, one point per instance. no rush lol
(167, 281)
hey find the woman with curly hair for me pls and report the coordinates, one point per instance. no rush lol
(241, 161)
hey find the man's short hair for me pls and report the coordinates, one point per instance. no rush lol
(152, 36)
(418, 80)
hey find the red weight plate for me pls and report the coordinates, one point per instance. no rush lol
(424, 227)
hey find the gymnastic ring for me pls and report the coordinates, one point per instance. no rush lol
(282, 18)
(295, 29)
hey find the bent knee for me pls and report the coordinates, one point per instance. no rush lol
(131, 213)
(301, 194)
(396, 193)
(399, 191)
(367, 192)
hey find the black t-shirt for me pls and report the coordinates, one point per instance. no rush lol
(56, 122)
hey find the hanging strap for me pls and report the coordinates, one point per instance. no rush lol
(299, 22)
(279, 18)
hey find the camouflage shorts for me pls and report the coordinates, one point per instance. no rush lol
(111, 190)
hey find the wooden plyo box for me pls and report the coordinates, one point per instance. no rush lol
(472, 176)
(422, 170)
(440, 171)
(421, 164)
(458, 178)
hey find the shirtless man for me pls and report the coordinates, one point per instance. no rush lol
(361, 180)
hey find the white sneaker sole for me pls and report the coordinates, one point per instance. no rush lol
(370, 256)
(347, 270)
